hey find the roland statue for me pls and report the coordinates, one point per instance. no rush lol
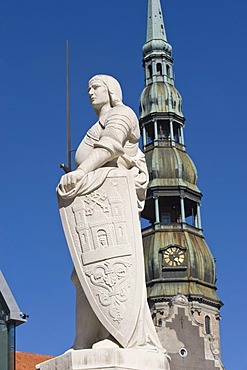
(100, 202)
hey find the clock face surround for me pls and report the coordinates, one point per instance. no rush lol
(173, 256)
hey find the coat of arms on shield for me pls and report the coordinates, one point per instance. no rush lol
(103, 233)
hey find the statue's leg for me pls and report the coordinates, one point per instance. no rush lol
(89, 330)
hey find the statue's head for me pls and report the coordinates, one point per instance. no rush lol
(113, 87)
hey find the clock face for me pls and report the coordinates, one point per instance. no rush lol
(173, 256)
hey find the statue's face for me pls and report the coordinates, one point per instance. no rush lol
(98, 94)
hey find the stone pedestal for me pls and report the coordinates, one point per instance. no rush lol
(108, 359)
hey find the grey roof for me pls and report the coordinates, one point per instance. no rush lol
(7, 299)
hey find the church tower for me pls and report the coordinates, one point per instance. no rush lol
(180, 269)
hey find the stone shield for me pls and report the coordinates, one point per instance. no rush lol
(102, 230)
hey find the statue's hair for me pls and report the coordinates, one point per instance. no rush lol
(113, 87)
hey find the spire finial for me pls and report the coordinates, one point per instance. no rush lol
(155, 22)
(157, 52)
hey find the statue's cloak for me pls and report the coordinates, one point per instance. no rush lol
(102, 229)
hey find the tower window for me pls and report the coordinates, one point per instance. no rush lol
(207, 325)
(150, 71)
(170, 210)
(159, 69)
(163, 130)
(191, 212)
(176, 132)
(149, 133)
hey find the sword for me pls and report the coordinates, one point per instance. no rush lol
(67, 168)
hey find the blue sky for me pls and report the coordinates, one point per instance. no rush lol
(210, 52)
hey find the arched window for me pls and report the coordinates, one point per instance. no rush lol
(150, 71)
(207, 325)
(159, 69)
(102, 239)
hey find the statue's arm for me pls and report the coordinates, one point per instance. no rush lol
(109, 146)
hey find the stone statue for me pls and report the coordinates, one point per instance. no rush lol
(99, 205)
(111, 142)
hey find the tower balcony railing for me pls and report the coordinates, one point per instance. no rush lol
(171, 227)
(163, 144)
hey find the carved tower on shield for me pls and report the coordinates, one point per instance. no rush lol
(180, 269)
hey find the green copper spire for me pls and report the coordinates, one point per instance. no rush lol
(180, 269)
(155, 22)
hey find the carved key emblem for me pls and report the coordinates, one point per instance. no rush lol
(96, 199)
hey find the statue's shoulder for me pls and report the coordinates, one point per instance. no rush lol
(123, 111)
